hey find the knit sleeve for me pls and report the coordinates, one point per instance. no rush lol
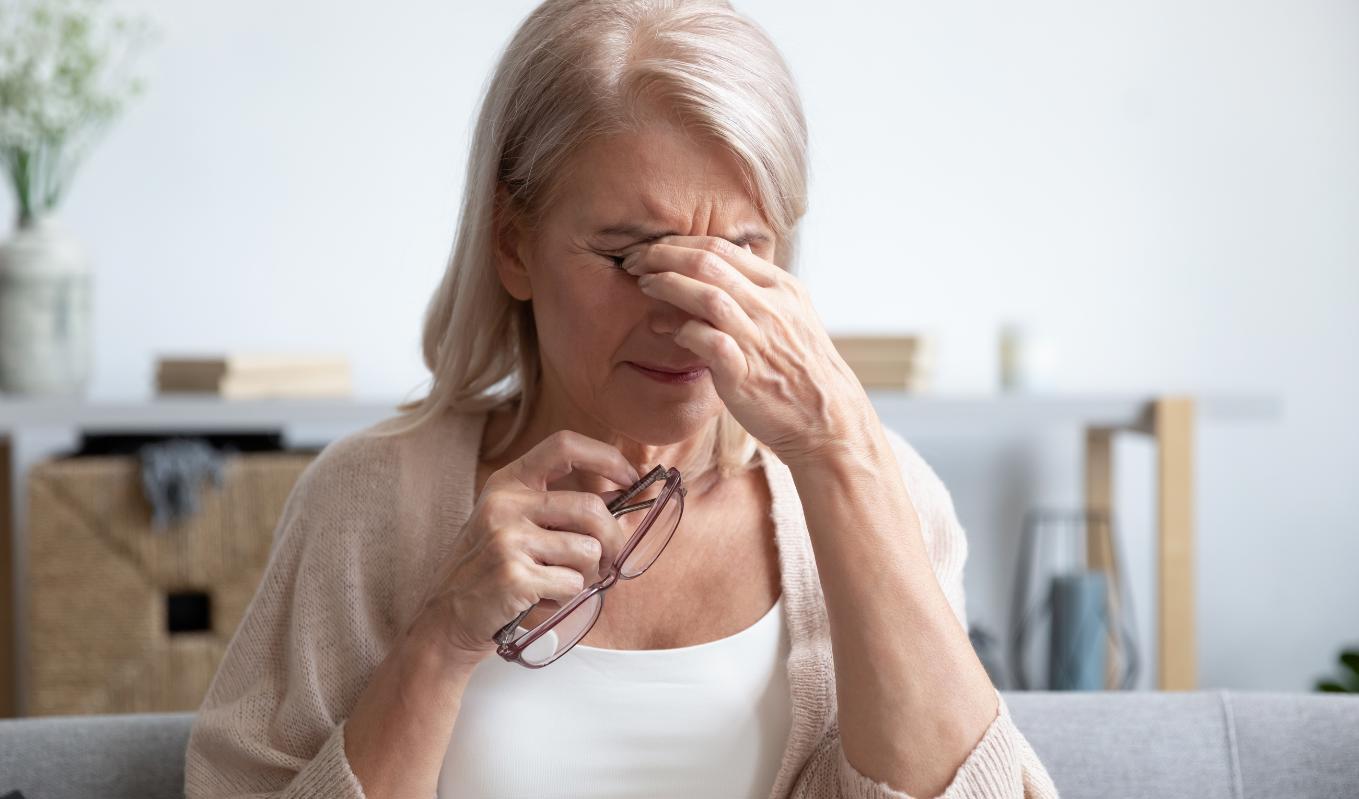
(1002, 764)
(272, 723)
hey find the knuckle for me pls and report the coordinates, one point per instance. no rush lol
(715, 303)
(500, 515)
(494, 503)
(591, 505)
(719, 246)
(510, 573)
(601, 506)
(556, 445)
(590, 546)
(710, 265)
(504, 545)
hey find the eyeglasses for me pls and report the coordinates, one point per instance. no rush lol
(555, 636)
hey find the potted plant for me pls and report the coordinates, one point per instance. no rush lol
(63, 80)
(1348, 681)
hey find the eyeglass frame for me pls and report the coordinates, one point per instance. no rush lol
(512, 650)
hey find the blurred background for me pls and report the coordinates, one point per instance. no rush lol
(1139, 200)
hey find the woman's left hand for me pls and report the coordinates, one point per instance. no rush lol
(769, 356)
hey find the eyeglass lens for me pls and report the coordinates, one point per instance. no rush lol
(567, 632)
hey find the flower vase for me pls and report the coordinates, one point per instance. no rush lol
(45, 338)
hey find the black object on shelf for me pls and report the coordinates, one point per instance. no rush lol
(131, 443)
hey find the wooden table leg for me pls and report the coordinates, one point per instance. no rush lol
(1173, 423)
(7, 640)
(1099, 499)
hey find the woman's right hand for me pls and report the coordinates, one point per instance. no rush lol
(523, 544)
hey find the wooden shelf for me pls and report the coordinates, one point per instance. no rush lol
(198, 412)
(990, 413)
(1170, 420)
(983, 412)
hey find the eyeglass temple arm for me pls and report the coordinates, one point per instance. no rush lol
(656, 473)
(504, 634)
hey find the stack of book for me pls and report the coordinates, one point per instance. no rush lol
(903, 363)
(254, 376)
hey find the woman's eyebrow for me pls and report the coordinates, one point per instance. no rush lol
(643, 234)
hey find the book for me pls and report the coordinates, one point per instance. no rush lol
(247, 363)
(893, 362)
(252, 376)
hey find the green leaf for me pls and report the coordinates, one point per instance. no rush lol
(64, 76)
(1350, 660)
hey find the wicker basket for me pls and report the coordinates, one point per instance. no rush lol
(124, 619)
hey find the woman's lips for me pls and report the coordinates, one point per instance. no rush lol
(670, 377)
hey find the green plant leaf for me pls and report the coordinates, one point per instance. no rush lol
(1331, 687)
(65, 75)
(1350, 660)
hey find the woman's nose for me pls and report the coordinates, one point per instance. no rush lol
(664, 318)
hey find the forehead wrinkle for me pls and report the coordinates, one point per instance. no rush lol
(662, 218)
(648, 192)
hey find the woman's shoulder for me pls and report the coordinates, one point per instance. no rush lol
(392, 463)
(375, 506)
(387, 444)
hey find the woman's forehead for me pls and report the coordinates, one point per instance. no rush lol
(658, 182)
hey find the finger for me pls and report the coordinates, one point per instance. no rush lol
(729, 256)
(566, 451)
(701, 265)
(578, 512)
(725, 358)
(572, 550)
(705, 301)
(557, 583)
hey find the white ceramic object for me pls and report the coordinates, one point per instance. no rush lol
(1028, 361)
(45, 338)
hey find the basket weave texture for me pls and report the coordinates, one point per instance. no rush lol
(100, 580)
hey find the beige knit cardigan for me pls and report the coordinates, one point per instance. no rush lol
(360, 536)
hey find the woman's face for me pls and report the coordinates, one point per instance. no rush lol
(593, 322)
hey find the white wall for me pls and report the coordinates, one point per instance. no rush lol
(1169, 189)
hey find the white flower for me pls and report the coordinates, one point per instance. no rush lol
(63, 79)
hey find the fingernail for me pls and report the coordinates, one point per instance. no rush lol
(631, 260)
(645, 279)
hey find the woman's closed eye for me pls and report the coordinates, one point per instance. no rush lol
(617, 260)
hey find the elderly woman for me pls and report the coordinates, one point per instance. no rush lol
(476, 597)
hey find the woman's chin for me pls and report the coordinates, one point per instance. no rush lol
(671, 422)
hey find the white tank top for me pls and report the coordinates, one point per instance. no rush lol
(705, 720)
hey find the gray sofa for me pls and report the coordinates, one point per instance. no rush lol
(1201, 744)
